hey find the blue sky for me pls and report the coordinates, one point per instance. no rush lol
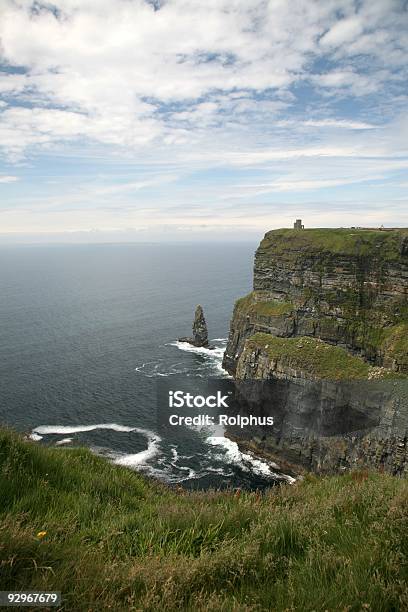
(200, 119)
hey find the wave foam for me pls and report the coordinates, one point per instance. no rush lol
(142, 457)
(174, 453)
(215, 355)
(212, 364)
(152, 369)
(217, 352)
(63, 441)
(245, 461)
(35, 437)
(70, 429)
(130, 460)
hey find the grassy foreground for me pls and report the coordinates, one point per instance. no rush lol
(116, 541)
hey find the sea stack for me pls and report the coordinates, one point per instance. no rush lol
(200, 331)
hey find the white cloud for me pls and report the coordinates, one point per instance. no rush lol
(350, 82)
(103, 70)
(345, 124)
(342, 32)
(21, 127)
(8, 179)
(264, 98)
(302, 185)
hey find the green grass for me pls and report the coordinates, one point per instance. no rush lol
(265, 308)
(390, 341)
(383, 245)
(272, 308)
(117, 541)
(367, 319)
(318, 359)
(395, 345)
(243, 303)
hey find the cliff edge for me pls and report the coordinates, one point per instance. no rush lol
(347, 288)
(329, 308)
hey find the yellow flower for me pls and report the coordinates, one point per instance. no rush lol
(41, 534)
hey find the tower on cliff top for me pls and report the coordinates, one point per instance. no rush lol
(298, 225)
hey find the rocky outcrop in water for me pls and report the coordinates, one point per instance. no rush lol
(328, 309)
(200, 331)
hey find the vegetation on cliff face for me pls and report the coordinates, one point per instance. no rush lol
(267, 308)
(110, 539)
(395, 345)
(312, 356)
(315, 358)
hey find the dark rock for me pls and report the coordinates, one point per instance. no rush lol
(200, 331)
(328, 426)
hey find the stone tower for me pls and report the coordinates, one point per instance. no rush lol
(298, 225)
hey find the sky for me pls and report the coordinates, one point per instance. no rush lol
(184, 120)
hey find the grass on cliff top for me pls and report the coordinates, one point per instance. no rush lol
(116, 541)
(266, 308)
(385, 245)
(313, 356)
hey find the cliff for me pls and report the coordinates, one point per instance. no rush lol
(328, 307)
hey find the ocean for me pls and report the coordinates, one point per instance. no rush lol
(86, 333)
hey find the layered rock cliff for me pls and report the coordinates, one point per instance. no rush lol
(327, 307)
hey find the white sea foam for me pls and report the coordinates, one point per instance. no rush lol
(220, 471)
(142, 457)
(169, 475)
(174, 453)
(63, 441)
(215, 355)
(128, 459)
(152, 369)
(217, 352)
(70, 429)
(212, 362)
(35, 437)
(246, 462)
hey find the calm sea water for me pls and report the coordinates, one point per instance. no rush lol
(87, 331)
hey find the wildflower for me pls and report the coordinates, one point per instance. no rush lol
(41, 534)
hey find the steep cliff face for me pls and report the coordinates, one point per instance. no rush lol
(327, 426)
(346, 287)
(328, 307)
